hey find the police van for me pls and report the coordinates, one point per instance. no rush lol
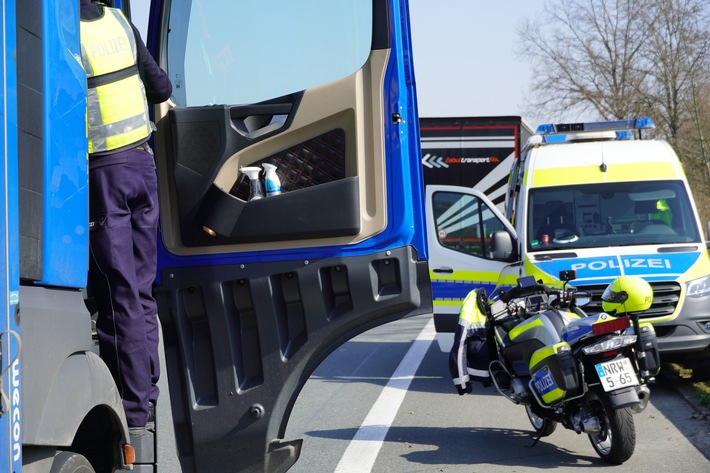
(601, 200)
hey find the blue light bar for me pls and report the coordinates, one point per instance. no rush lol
(624, 135)
(545, 129)
(612, 125)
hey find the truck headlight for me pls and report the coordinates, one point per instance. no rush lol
(698, 287)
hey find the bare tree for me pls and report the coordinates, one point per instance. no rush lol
(676, 52)
(587, 57)
(612, 59)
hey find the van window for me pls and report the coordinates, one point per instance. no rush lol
(630, 213)
(226, 52)
(464, 223)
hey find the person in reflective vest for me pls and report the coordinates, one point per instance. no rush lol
(468, 359)
(122, 77)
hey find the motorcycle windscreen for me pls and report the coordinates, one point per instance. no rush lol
(254, 293)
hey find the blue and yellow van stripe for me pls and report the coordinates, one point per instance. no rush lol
(452, 290)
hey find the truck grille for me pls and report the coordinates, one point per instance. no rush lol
(665, 299)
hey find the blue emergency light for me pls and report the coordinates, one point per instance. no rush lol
(612, 125)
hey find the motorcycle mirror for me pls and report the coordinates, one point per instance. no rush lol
(568, 275)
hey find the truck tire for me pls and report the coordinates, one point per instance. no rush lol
(71, 462)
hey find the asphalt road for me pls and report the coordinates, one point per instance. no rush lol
(435, 430)
(384, 402)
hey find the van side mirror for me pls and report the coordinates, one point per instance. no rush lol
(503, 247)
(707, 242)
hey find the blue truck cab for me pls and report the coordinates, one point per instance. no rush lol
(252, 294)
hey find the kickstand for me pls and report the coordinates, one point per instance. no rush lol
(536, 439)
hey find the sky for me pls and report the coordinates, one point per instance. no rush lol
(464, 55)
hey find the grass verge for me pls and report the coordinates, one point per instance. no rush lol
(702, 388)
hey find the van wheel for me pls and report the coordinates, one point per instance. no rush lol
(71, 462)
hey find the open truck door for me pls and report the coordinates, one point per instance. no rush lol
(254, 294)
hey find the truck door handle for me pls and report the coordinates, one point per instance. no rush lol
(251, 120)
(443, 270)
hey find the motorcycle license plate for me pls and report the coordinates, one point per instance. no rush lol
(616, 374)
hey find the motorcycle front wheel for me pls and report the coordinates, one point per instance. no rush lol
(543, 427)
(616, 441)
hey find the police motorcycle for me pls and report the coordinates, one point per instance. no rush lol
(586, 372)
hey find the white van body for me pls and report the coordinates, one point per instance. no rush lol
(603, 206)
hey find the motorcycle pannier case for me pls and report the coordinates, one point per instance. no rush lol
(554, 373)
(649, 359)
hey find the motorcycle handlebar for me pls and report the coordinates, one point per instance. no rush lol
(519, 291)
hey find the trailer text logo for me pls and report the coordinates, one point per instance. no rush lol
(16, 440)
(432, 161)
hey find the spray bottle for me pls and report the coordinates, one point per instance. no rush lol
(255, 190)
(272, 183)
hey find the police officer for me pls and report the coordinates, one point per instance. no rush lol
(123, 212)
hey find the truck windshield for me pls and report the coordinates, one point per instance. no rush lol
(610, 214)
(227, 52)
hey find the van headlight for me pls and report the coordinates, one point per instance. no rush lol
(698, 287)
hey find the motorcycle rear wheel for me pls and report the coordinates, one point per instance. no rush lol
(617, 440)
(543, 427)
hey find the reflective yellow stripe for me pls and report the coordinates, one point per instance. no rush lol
(553, 395)
(592, 174)
(543, 353)
(447, 302)
(520, 328)
(117, 111)
(468, 276)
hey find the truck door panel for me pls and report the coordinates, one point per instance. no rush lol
(205, 140)
(253, 295)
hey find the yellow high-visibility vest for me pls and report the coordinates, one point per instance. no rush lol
(117, 109)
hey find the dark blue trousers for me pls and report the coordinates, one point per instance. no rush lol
(123, 216)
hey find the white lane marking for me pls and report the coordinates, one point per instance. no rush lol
(362, 452)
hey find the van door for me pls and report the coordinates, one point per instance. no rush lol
(254, 294)
(460, 222)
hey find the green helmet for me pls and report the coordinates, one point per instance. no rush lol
(627, 294)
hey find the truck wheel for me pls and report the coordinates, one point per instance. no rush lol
(70, 462)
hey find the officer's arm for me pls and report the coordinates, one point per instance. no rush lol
(155, 80)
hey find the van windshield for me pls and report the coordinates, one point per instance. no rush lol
(610, 214)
